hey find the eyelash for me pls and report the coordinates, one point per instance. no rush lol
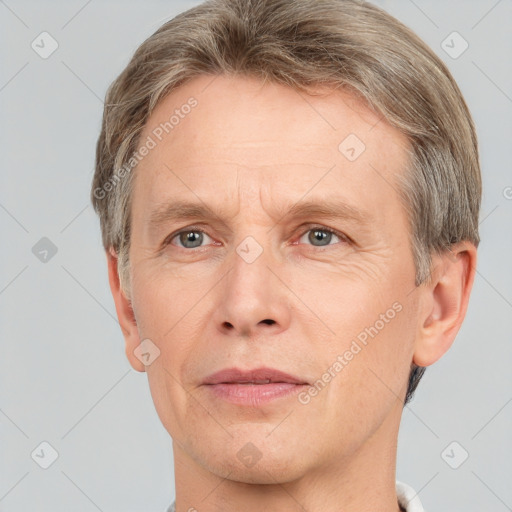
(195, 229)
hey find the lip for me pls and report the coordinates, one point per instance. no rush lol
(253, 387)
(256, 375)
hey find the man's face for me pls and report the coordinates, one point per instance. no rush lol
(263, 283)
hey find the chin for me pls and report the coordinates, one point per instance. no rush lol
(253, 462)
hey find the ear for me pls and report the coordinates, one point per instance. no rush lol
(124, 312)
(444, 302)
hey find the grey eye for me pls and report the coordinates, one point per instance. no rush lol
(319, 237)
(191, 239)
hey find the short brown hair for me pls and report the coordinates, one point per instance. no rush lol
(303, 44)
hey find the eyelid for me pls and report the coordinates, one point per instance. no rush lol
(199, 228)
(321, 227)
(304, 229)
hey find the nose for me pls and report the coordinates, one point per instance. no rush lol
(254, 299)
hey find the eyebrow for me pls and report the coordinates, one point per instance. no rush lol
(180, 210)
(328, 209)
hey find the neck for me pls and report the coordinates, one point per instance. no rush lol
(362, 481)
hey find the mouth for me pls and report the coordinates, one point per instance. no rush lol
(253, 387)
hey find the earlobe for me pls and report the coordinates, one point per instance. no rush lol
(125, 314)
(445, 299)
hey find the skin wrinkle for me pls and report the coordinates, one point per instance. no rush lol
(338, 451)
(264, 146)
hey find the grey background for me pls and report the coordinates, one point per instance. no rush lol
(64, 377)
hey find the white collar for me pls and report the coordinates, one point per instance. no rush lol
(408, 498)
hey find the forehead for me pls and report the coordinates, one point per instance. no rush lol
(224, 137)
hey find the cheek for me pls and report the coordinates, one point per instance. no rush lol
(365, 337)
(376, 361)
(161, 300)
(339, 305)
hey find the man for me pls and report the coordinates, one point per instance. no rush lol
(289, 197)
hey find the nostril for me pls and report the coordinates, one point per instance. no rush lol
(269, 321)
